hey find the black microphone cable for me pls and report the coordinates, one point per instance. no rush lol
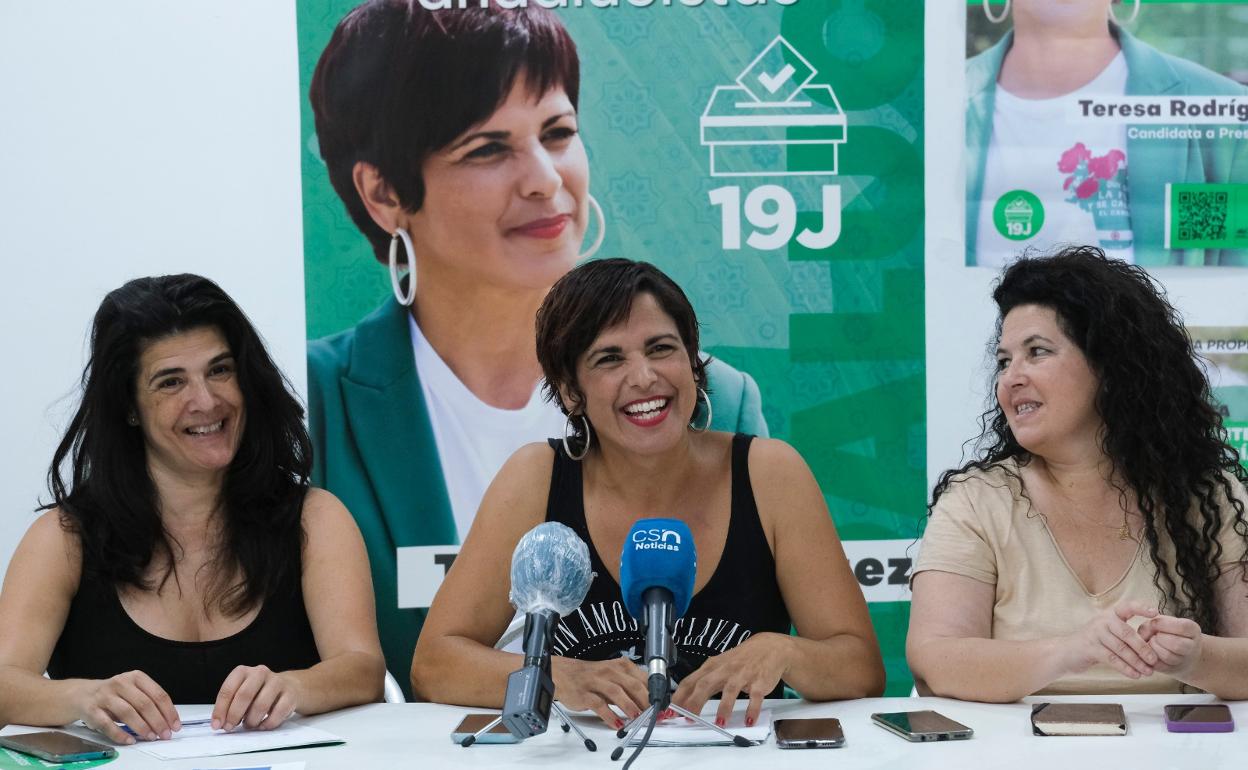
(654, 718)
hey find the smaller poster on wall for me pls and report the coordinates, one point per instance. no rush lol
(1116, 124)
(1226, 350)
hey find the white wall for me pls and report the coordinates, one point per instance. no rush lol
(960, 313)
(136, 138)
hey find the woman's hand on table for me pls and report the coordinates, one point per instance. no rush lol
(597, 685)
(1107, 638)
(132, 698)
(753, 667)
(255, 696)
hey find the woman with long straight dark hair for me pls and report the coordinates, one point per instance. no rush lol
(184, 557)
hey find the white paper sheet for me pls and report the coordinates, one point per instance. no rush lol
(198, 739)
(261, 766)
(681, 731)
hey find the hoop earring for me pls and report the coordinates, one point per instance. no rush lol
(588, 437)
(1135, 11)
(707, 424)
(396, 285)
(1001, 18)
(596, 210)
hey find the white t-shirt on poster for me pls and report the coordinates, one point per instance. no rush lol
(474, 439)
(1077, 170)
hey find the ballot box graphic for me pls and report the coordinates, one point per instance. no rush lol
(1018, 216)
(774, 121)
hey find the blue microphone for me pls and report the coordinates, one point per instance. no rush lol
(657, 568)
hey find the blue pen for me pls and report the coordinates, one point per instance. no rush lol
(189, 723)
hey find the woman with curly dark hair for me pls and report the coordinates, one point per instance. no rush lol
(1098, 543)
(184, 557)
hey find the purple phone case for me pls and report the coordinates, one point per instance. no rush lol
(1199, 727)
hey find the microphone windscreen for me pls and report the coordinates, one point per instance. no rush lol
(550, 570)
(658, 553)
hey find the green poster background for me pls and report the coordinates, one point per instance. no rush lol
(835, 336)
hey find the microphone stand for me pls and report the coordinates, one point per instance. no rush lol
(626, 732)
(539, 628)
(565, 723)
(651, 714)
(661, 651)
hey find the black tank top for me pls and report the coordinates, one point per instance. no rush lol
(101, 640)
(742, 597)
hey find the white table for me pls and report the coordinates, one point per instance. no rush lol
(418, 736)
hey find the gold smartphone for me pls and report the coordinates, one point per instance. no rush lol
(474, 723)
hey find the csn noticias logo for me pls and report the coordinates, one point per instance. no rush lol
(656, 539)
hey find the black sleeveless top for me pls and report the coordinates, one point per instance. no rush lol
(101, 640)
(742, 597)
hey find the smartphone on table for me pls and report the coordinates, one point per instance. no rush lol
(809, 734)
(922, 726)
(1199, 718)
(474, 723)
(57, 747)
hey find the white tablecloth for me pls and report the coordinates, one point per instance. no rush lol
(417, 735)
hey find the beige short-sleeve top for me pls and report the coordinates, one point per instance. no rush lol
(984, 528)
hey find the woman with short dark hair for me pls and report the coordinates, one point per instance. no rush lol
(453, 139)
(1097, 543)
(184, 557)
(618, 342)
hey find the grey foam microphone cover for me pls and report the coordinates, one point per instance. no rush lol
(550, 570)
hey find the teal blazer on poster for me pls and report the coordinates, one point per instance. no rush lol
(1151, 163)
(374, 448)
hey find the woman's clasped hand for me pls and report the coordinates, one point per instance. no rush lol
(1108, 638)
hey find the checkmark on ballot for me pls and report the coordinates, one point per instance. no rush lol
(775, 82)
(777, 74)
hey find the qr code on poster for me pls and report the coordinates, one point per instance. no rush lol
(1202, 215)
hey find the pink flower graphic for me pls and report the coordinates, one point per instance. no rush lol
(1071, 158)
(1087, 188)
(1106, 166)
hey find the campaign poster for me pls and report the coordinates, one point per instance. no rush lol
(1225, 349)
(1117, 124)
(768, 155)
